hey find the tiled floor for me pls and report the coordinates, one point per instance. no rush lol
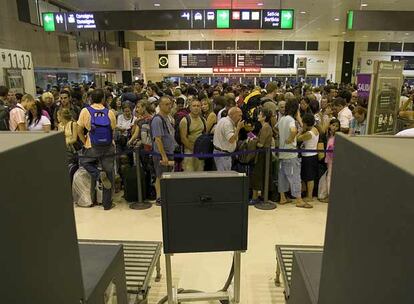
(208, 272)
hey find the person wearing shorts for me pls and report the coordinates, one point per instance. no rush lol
(162, 132)
(289, 162)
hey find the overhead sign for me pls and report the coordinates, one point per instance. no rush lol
(364, 20)
(237, 70)
(169, 20)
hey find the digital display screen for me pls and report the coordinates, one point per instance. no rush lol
(207, 60)
(169, 20)
(276, 61)
(409, 61)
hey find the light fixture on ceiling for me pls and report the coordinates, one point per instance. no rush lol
(337, 19)
(303, 12)
(260, 4)
(407, 34)
(157, 4)
(364, 4)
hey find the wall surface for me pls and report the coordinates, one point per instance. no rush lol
(22, 36)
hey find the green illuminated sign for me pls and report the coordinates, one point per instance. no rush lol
(350, 23)
(223, 18)
(48, 22)
(286, 20)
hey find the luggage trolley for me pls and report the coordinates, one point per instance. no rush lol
(204, 212)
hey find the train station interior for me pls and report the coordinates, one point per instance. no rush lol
(211, 151)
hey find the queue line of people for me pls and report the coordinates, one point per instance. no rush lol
(167, 118)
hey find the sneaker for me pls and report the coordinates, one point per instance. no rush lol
(105, 180)
(110, 207)
(255, 201)
(158, 202)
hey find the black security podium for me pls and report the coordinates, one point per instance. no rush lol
(204, 212)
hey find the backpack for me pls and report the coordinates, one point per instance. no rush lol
(145, 133)
(101, 131)
(204, 145)
(4, 118)
(247, 145)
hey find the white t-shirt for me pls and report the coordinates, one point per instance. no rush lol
(124, 123)
(284, 125)
(406, 133)
(225, 130)
(43, 121)
(345, 117)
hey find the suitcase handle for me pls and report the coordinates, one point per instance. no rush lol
(205, 198)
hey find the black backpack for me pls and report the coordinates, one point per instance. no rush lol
(4, 118)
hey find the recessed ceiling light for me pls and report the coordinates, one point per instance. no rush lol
(303, 12)
(407, 34)
(364, 4)
(337, 19)
(157, 4)
(260, 4)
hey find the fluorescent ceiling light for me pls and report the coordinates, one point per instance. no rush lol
(337, 19)
(260, 4)
(303, 12)
(157, 4)
(364, 4)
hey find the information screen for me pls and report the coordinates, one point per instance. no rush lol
(169, 20)
(276, 61)
(207, 60)
(409, 61)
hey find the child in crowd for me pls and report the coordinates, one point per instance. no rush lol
(334, 126)
(309, 168)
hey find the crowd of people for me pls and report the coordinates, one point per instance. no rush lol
(103, 125)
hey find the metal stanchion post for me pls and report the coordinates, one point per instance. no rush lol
(140, 205)
(266, 205)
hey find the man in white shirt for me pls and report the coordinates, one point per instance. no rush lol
(226, 136)
(343, 114)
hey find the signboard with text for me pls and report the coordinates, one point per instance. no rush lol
(236, 70)
(364, 86)
(385, 97)
(169, 20)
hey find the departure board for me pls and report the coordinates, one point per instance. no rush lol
(275, 61)
(207, 60)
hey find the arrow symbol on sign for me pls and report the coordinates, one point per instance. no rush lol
(288, 15)
(48, 19)
(223, 15)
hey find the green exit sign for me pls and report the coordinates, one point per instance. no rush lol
(48, 22)
(223, 18)
(286, 19)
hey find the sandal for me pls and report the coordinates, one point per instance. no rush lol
(304, 205)
(284, 202)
